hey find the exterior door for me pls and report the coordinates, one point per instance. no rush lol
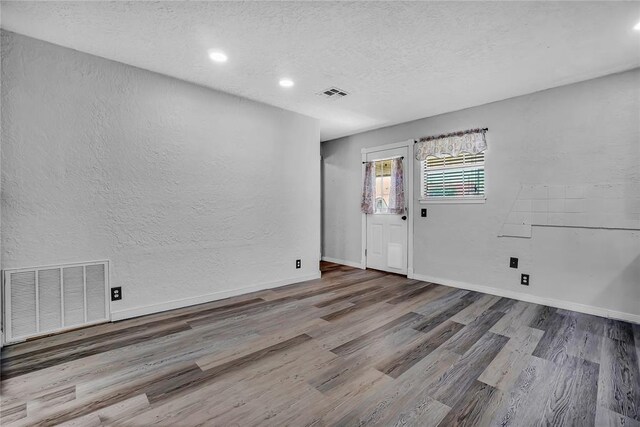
(386, 241)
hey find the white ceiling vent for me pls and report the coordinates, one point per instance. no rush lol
(333, 93)
(44, 300)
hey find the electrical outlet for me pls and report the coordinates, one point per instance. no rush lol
(513, 262)
(423, 212)
(524, 279)
(298, 263)
(116, 293)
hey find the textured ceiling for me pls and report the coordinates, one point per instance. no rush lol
(398, 61)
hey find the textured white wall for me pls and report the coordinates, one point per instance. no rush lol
(587, 132)
(188, 192)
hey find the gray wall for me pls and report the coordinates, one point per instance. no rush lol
(582, 133)
(192, 194)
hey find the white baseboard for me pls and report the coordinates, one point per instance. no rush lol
(186, 302)
(343, 262)
(567, 305)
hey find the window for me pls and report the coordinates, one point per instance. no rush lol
(450, 179)
(383, 186)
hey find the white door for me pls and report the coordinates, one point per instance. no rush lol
(386, 242)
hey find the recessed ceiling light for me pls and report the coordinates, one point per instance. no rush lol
(637, 27)
(286, 82)
(217, 56)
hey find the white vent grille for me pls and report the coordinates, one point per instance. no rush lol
(333, 93)
(43, 300)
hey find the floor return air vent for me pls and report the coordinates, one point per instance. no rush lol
(43, 300)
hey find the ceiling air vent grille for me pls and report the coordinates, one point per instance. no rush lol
(333, 93)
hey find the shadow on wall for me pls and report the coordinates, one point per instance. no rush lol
(617, 293)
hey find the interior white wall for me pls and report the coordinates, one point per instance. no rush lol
(587, 132)
(192, 194)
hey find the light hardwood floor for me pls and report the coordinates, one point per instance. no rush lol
(353, 348)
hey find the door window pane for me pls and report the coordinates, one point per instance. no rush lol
(383, 186)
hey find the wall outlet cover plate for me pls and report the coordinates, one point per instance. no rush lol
(116, 293)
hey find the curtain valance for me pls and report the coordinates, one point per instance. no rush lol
(471, 141)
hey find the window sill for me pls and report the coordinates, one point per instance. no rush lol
(452, 200)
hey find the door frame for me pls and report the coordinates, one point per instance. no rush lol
(409, 179)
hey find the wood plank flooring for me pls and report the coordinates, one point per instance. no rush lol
(353, 348)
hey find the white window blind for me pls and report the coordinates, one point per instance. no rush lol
(453, 178)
